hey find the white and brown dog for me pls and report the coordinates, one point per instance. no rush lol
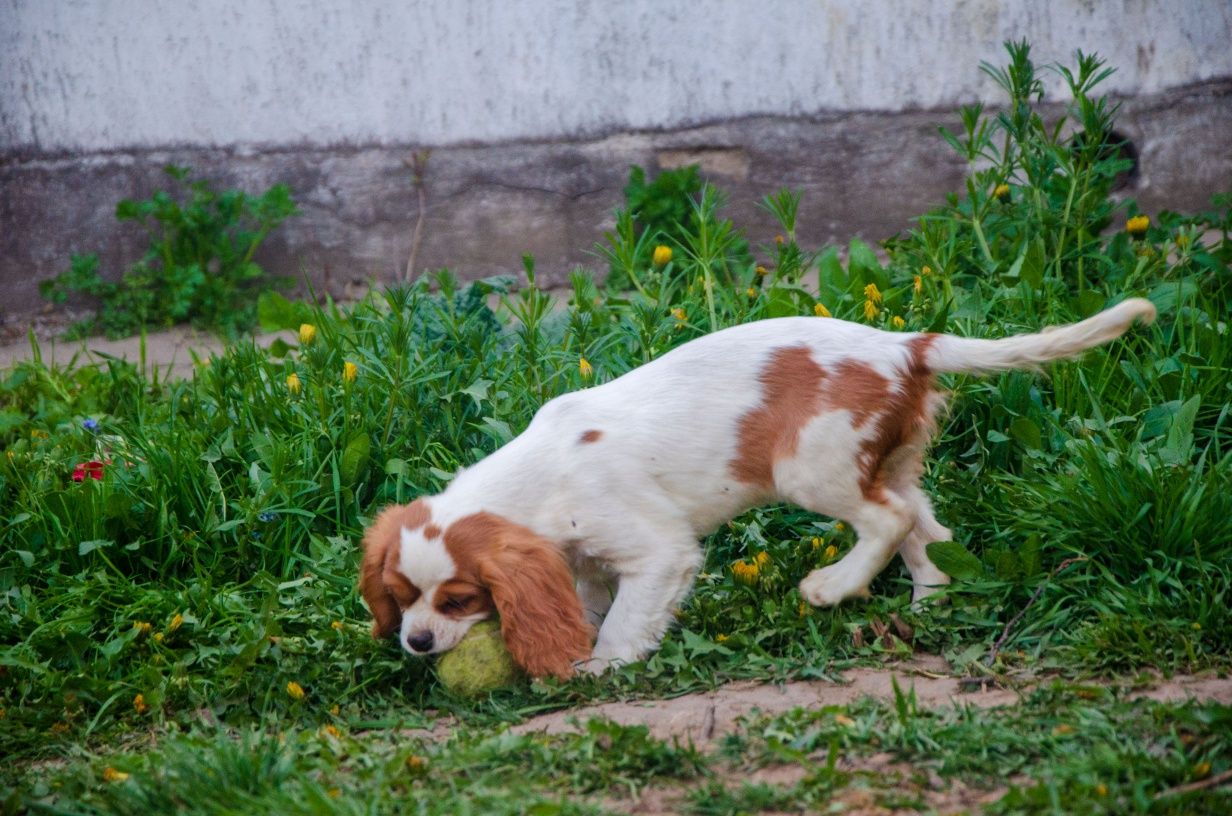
(610, 488)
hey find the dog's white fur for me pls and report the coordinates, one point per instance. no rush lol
(625, 477)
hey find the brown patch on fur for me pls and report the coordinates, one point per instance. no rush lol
(431, 531)
(384, 588)
(791, 396)
(906, 414)
(591, 436)
(531, 587)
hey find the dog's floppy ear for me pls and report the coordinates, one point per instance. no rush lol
(382, 541)
(542, 621)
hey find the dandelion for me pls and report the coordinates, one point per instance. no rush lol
(142, 627)
(1101, 789)
(112, 775)
(293, 383)
(838, 528)
(872, 293)
(177, 620)
(721, 638)
(662, 255)
(139, 704)
(349, 372)
(1202, 770)
(926, 270)
(1062, 729)
(762, 559)
(416, 763)
(585, 368)
(334, 793)
(751, 292)
(330, 730)
(90, 424)
(295, 690)
(307, 333)
(802, 609)
(745, 572)
(831, 551)
(336, 626)
(897, 322)
(1002, 192)
(844, 720)
(917, 284)
(870, 310)
(1137, 226)
(761, 271)
(679, 314)
(1197, 627)
(334, 710)
(1182, 241)
(778, 240)
(820, 310)
(37, 434)
(816, 543)
(158, 637)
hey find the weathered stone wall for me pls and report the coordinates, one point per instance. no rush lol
(534, 112)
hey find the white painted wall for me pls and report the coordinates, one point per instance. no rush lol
(94, 75)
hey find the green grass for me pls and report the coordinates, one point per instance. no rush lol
(214, 562)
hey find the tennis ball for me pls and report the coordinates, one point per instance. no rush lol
(479, 663)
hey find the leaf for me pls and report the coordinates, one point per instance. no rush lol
(1179, 445)
(496, 429)
(1026, 432)
(1032, 272)
(87, 547)
(355, 458)
(478, 391)
(395, 467)
(955, 560)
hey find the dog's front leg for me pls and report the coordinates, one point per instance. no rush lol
(646, 600)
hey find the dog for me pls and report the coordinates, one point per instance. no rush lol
(591, 517)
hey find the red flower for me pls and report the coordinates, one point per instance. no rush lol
(92, 469)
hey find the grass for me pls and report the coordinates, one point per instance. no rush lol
(164, 618)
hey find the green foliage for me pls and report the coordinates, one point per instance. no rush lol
(198, 267)
(234, 499)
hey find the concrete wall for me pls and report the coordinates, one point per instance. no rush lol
(535, 109)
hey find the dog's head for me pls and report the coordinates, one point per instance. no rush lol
(431, 584)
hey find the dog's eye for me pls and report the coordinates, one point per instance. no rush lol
(456, 604)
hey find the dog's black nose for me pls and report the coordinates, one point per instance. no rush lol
(420, 642)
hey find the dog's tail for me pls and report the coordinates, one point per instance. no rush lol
(961, 355)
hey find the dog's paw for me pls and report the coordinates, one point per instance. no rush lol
(830, 586)
(594, 666)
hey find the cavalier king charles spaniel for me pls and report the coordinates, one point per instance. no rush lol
(590, 519)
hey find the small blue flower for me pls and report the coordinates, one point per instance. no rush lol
(90, 424)
(266, 516)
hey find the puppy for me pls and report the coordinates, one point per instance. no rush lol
(591, 517)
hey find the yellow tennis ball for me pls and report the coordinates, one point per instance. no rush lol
(478, 664)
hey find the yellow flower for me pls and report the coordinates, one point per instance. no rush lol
(349, 372)
(926, 270)
(293, 384)
(679, 314)
(331, 730)
(1182, 241)
(1002, 192)
(336, 626)
(1062, 729)
(820, 310)
(334, 793)
(917, 283)
(662, 254)
(745, 573)
(139, 704)
(142, 627)
(158, 637)
(778, 239)
(416, 763)
(177, 620)
(897, 322)
(1137, 226)
(831, 551)
(1197, 627)
(761, 271)
(872, 293)
(844, 720)
(3, 713)
(334, 710)
(295, 690)
(585, 368)
(112, 775)
(1202, 770)
(762, 559)
(838, 528)
(751, 292)
(870, 310)
(59, 728)
(307, 333)
(802, 609)
(720, 638)
(816, 543)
